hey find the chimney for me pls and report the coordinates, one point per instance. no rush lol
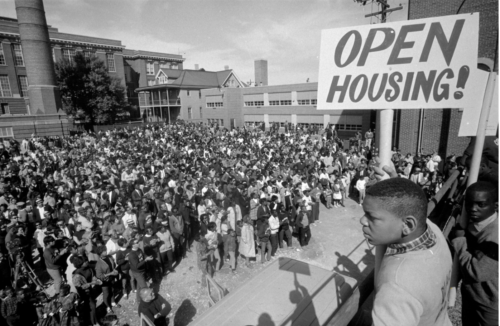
(261, 72)
(43, 91)
(226, 67)
(196, 67)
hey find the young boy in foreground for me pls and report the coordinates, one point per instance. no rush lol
(414, 277)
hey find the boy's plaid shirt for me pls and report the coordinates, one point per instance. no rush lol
(423, 242)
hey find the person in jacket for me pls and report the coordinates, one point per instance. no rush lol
(167, 245)
(413, 281)
(154, 307)
(105, 269)
(302, 224)
(284, 227)
(123, 266)
(53, 261)
(138, 261)
(176, 224)
(477, 252)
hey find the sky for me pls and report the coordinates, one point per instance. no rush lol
(218, 33)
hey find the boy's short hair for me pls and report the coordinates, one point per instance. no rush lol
(401, 197)
(484, 186)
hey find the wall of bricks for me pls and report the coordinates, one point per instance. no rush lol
(440, 127)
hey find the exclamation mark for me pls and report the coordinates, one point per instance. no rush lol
(463, 75)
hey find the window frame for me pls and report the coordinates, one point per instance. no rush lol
(190, 113)
(110, 58)
(2, 56)
(24, 91)
(70, 54)
(16, 54)
(7, 134)
(150, 68)
(2, 91)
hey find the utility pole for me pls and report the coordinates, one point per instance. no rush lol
(384, 125)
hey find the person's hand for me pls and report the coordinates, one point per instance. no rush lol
(149, 258)
(158, 315)
(44, 316)
(384, 172)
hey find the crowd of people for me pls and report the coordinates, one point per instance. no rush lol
(114, 212)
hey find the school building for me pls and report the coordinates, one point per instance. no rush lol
(295, 103)
(22, 115)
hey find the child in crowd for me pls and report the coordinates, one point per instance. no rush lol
(361, 187)
(230, 246)
(337, 195)
(328, 196)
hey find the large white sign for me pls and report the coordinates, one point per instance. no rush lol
(426, 63)
(470, 116)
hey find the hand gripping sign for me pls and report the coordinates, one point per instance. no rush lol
(425, 63)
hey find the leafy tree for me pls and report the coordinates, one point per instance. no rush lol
(88, 90)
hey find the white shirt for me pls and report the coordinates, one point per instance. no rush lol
(112, 246)
(129, 217)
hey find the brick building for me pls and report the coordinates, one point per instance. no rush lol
(432, 130)
(20, 116)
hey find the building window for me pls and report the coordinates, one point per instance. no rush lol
(314, 101)
(174, 66)
(18, 55)
(162, 79)
(221, 122)
(215, 105)
(201, 112)
(89, 54)
(150, 68)
(188, 93)
(23, 83)
(151, 82)
(4, 108)
(190, 113)
(2, 56)
(110, 57)
(304, 102)
(6, 132)
(164, 65)
(68, 54)
(5, 86)
(286, 102)
(274, 102)
(254, 103)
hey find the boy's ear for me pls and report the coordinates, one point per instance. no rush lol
(410, 224)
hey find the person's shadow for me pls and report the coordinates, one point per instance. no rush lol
(185, 313)
(265, 320)
(349, 268)
(297, 296)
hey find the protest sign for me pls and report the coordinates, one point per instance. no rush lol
(425, 63)
(470, 116)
